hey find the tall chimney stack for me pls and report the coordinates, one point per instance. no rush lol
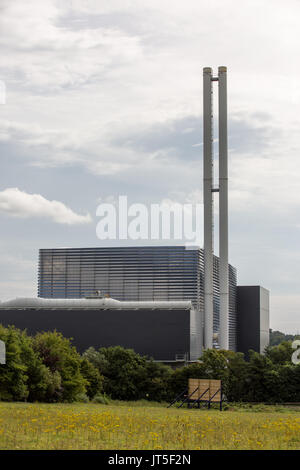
(223, 210)
(208, 190)
(208, 205)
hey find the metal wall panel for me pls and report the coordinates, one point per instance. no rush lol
(264, 326)
(160, 333)
(253, 318)
(135, 273)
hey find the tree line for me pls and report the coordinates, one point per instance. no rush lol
(277, 337)
(48, 368)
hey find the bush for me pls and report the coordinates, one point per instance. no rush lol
(13, 377)
(101, 399)
(47, 367)
(130, 376)
(24, 376)
(178, 381)
(266, 378)
(123, 374)
(94, 380)
(82, 398)
(154, 384)
(60, 356)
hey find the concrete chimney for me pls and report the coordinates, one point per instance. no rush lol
(208, 190)
(208, 205)
(223, 210)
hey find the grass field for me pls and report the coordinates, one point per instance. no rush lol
(145, 426)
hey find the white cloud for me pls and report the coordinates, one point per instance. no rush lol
(63, 58)
(19, 204)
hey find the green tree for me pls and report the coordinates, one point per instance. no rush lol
(13, 374)
(130, 376)
(61, 357)
(178, 381)
(43, 384)
(280, 354)
(94, 380)
(236, 384)
(277, 337)
(154, 381)
(261, 378)
(96, 358)
(227, 366)
(122, 373)
(215, 363)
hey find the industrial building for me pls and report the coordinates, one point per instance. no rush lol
(253, 318)
(169, 331)
(166, 331)
(154, 273)
(163, 301)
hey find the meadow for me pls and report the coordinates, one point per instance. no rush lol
(142, 425)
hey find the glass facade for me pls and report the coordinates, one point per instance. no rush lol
(134, 273)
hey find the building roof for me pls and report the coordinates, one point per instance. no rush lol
(90, 303)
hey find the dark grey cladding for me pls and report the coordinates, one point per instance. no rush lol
(164, 334)
(253, 319)
(157, 273)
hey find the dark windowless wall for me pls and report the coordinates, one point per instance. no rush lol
(134, 273)
(253, 318)
(161, 334)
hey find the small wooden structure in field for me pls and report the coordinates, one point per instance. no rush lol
(200, 392)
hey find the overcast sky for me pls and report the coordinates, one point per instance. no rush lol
(104, 98)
